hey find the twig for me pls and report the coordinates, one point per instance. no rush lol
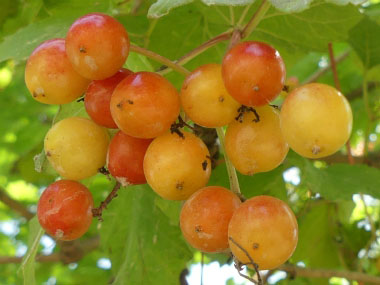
(251, 262)
(269, 274)
(337, 85)
(333, 67)
(220, 38)
(97, 212)
(234, 182)
(315, 76)
(182, 277)
(255, 20)
(15, 205)
(327, 273)
(198, 50)
(72, 252)
(160, 58)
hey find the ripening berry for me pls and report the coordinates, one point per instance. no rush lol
(76, 147)
(253, 73)
(125, 158)
(97, 46)
(204, 98)
(255, 147)
(144, 105)
(64, 210)
(205, 217)
(175, 167)
(316, 120)
(98, 98)
(50, 77)
(266, 228)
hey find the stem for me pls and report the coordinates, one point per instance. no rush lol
(251, 262)
(255, 20)
(160, 59)
(15, 205)
(97, 212)
(234, 182)
(337, 85)
(333, 67)
(322, 71)
(296, 271)
(198, 50)
(75, 252)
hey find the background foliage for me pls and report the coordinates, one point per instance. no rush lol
(140, 241)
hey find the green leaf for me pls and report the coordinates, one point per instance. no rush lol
(163, 7)
(26, 14)
(32, 35)
(27, 265)
(365, 40)
(268, 183)
(345, 2)
(310, 30)
(316, 245)
(341, 181)
(143, 245)
(291, 5)
(74, 8)
(228, 2)
(171, 209)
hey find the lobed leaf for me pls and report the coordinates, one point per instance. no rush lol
(144, 246)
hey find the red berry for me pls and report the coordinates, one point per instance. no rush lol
(253, 73)
(97, 46)
(126, 157)
(64, 209)
(98, 98)
(144, 105)
(205, 217)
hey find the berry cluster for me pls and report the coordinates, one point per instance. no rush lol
(150, 147)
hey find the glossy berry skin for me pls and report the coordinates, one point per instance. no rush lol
(64, 210)
(204, 98)
(205, 217)
(76, 147)
(176, 167)
(267, 229)
(98, 98)
(316, 120)
(144, 105)
(255, 147)
(253, 73)
(125, 158)
(50, 77)
(97, 46)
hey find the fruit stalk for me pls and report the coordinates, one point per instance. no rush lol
(255, 20)
(160, 59)
(337, 85)
(234, 182)
(97, 212)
